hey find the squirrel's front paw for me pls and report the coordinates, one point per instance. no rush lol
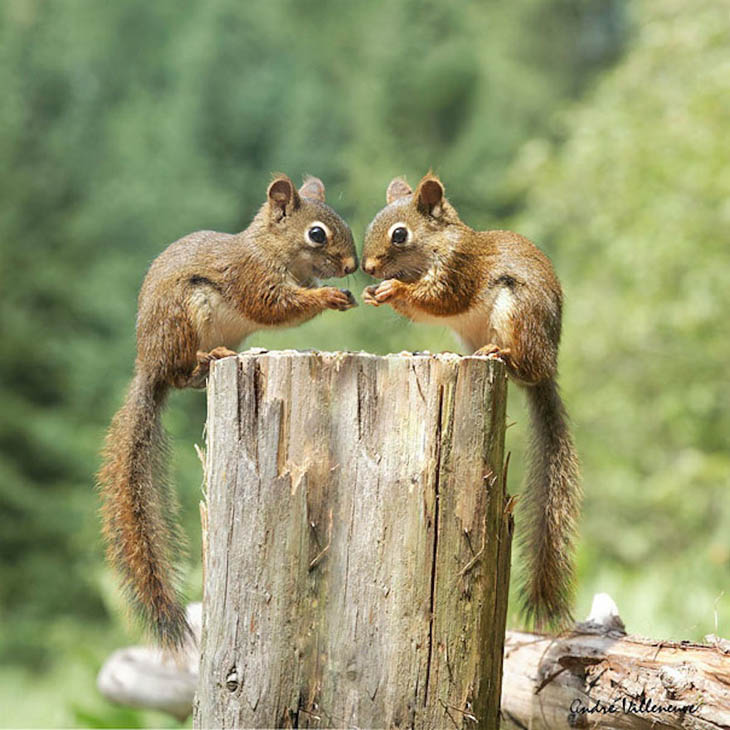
(368, 295)
(386, 290)
(340, 299)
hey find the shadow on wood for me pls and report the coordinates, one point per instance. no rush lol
(358, 541)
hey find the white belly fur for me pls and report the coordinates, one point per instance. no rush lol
(487, 321)
(217, 322)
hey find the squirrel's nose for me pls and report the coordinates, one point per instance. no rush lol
(368, 266)
(350, 264)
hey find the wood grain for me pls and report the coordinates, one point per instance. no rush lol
(358, 541)
(604, 679)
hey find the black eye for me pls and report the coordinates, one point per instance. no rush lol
(317, 234)
(399, 235)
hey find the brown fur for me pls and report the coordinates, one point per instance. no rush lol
(204, 294)
(500, 293)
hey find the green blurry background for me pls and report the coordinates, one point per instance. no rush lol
(597, 127)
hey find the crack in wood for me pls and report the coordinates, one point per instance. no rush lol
(320, 556)
(437, 480)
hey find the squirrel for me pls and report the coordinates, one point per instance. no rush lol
(204, 294)
(500, 295)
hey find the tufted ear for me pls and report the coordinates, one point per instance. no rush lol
(283, 197)
(313, 188)
(398, 188)
(430, 196)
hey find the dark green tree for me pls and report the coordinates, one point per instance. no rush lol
(125, 125)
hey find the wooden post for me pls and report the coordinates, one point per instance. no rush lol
(357, 558)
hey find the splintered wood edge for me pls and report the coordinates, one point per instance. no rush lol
(334, 356)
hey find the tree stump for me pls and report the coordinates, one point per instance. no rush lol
(358, 541)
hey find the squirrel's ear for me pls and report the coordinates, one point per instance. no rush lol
(283, 197)
(398, 188)
(313, 188)
(430, 196)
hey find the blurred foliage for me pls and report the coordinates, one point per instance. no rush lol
(634, 208)
(126, 125)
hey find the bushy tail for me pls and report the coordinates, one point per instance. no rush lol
(139, 512)
(551, 501)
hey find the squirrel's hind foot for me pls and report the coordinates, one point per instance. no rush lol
(198, 377)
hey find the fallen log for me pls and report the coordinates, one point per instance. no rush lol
(549, 682)
(597, 676)
(145, 678)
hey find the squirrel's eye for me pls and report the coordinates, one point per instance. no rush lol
(317, 235)
(399, 235)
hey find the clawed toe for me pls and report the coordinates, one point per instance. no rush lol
(368, 295)
(495, 351)
(217, 353)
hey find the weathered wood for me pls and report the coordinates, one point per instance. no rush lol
(358, 541)
(545, 679)
(676, 673)
(599, 677)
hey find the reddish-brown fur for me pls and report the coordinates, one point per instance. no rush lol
(500, 294)
(203, 295)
